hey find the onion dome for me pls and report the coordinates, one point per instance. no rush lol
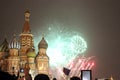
(4, 46)
(14, 43)
(43, 44)
(26, 27)
(31, 53)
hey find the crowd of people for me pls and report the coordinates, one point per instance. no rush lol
(7, 76)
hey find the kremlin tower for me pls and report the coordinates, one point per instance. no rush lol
(19, 56)
(26, 38)
(4, 53)
(13, 59)
(42, 60)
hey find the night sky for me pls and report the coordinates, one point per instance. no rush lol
(97, 20)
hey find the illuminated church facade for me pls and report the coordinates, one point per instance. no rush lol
(20, 55)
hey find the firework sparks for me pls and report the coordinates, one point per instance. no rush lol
(64, 46)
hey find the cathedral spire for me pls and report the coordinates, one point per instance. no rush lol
(26, 27)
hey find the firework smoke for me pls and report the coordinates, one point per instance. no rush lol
(64, 46)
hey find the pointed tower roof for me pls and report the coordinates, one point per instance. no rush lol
(43, 44)
(26, 27)
(4, 46)
(14, 43)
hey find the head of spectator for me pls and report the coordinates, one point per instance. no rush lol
(74, 78)
(54, 79)
(41, 77)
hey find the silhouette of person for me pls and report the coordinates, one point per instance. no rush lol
(75, 78)
(6, 76)
(54, 79)
(41, 77)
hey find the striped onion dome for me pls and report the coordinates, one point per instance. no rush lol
(14, 43)
(4, 46)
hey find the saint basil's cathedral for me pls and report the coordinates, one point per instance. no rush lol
(19, 56)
